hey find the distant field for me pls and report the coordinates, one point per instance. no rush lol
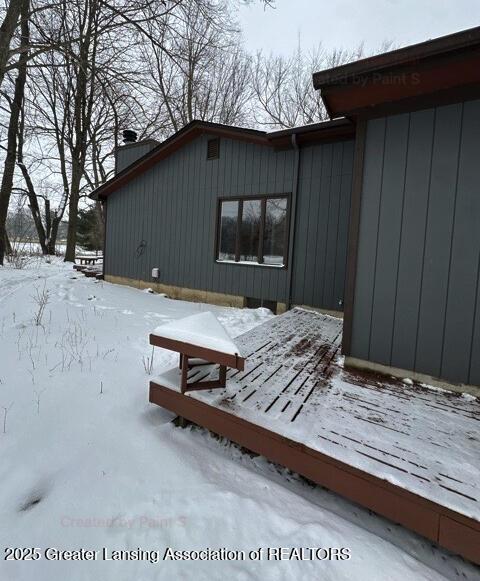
(35, 248)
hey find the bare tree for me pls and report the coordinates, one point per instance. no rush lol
(284, 95)
(203, 73)
(46, 224)
(15, 108)
(96, 37)
(284, 90)
(86, 80)
(7, 30)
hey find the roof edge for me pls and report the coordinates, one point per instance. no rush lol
(343, 127)
(311, 128)
(398, 57)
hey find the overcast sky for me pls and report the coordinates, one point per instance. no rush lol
(346, 23)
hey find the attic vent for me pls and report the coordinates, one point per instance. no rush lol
(213, 148)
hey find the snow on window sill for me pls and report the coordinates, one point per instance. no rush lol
(249, 263)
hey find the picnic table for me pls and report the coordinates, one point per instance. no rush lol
(89, 259)
(200, 339)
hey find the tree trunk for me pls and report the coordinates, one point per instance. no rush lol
(10, 158)
(34, 207)
(32, 194)
(37, 219)
(48, 228)
(52, 239)
(8, 246)
(72, 229)
(73, 213)
(100, 224)
(78, 152)
(7, 30)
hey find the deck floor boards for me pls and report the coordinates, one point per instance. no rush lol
(294, 384)
(421, 439)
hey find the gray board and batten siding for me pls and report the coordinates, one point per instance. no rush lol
(125, 155)
(417, 292)
(166, 218)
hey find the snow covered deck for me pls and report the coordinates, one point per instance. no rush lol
(408, 452)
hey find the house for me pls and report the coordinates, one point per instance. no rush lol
(212, 208)
(375, 213)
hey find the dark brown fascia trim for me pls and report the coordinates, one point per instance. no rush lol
(338, 129)
(228, 128)
(450, 77)
(313, 127)
(399, 57)
(411, 104)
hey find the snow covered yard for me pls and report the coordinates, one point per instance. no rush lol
(86, 462)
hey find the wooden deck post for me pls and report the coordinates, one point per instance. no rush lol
(223, 376)
(184, 372)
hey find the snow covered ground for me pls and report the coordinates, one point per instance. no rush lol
(86, 462)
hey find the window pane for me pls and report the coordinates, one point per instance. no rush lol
(274, 232)
(228, 230)
(250, 230)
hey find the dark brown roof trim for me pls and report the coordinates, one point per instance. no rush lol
(325, 131)
(399, 57)
(313, 127)
(338, 129)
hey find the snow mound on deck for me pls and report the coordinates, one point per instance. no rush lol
(202, 330)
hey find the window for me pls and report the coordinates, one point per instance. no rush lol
(250, 230)
(275, 231)
(253, 230)
(228, 230)
(213, 148)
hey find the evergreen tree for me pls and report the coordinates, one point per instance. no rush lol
(90, 229)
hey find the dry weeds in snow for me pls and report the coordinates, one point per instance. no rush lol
(6, 409)
(40, 298)
(148, 363)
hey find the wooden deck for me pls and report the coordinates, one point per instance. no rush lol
(408, 452)
(92, 271)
